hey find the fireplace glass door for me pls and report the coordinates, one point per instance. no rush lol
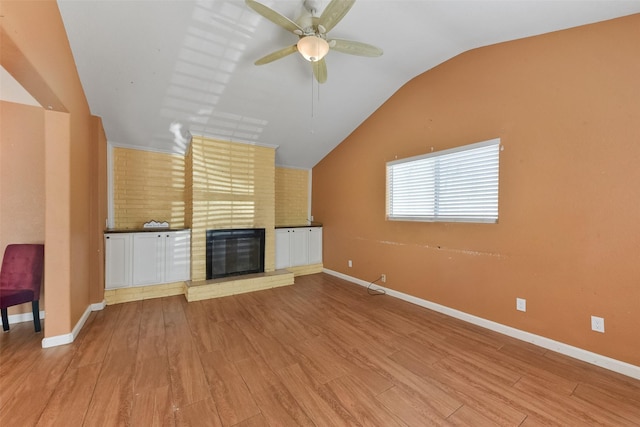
(235, 252)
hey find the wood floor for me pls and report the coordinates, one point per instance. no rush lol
(321, 352)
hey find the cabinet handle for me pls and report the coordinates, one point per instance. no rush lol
(108, 237)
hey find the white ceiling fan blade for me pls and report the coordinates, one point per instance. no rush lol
(334, 12)
(354, 48)
(273, 16)
(320, 70)
(277, 55)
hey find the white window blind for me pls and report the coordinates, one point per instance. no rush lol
(456, 185)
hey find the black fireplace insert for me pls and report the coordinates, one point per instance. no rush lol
(234, 252)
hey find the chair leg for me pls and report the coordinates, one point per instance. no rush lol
(5, 320)
(36, 315)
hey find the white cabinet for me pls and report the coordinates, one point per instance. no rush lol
(298, 246)
(177, 260)
(147, 258)
(117, 252)
(315, 245)
(283, 249)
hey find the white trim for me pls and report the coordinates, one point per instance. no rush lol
(284, 166)
(99, 305)
(110, 211)
(236, 141)
(57, 340)
(24, 317)
(146, 148)
(309, 197)
(618, 366)
(487, 143)
(182, 152)
(69, 338)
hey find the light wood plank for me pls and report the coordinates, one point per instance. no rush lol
(71, 397)
(467, 416)
(315, 398)
(362, 406)
(153, 407)
(42, 378)
(202, 412)
(233, 399)
(409, 407)
(276, 402)
(188, 382)
(112, 397)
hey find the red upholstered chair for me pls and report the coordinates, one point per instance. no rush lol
(20, 279)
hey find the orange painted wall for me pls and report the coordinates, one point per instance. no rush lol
(21, 179)
(36, 52)
(567, 108)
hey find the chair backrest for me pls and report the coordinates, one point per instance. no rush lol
(22, 267)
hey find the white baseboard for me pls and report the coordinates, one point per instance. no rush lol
(24, 317)
(99, 306)
(618, 366)
(69, 338)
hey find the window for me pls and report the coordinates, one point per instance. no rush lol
(456, 185)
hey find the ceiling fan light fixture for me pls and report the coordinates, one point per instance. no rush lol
(313, 48)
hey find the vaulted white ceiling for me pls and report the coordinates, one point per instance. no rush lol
(157, 70)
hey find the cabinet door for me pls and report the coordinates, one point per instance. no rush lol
(148, 258)
(117, 250)
(315, 245)
(177, 256)
(299, 246)
(282, 248)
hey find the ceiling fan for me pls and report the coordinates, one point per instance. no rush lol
(313, 41)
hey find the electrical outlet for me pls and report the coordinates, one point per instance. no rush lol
(597, 324)
(383, 278)
(521, 304)
(350, 264)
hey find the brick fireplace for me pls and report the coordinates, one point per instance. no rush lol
(228, 186)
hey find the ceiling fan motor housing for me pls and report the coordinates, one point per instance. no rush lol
(312, 6)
